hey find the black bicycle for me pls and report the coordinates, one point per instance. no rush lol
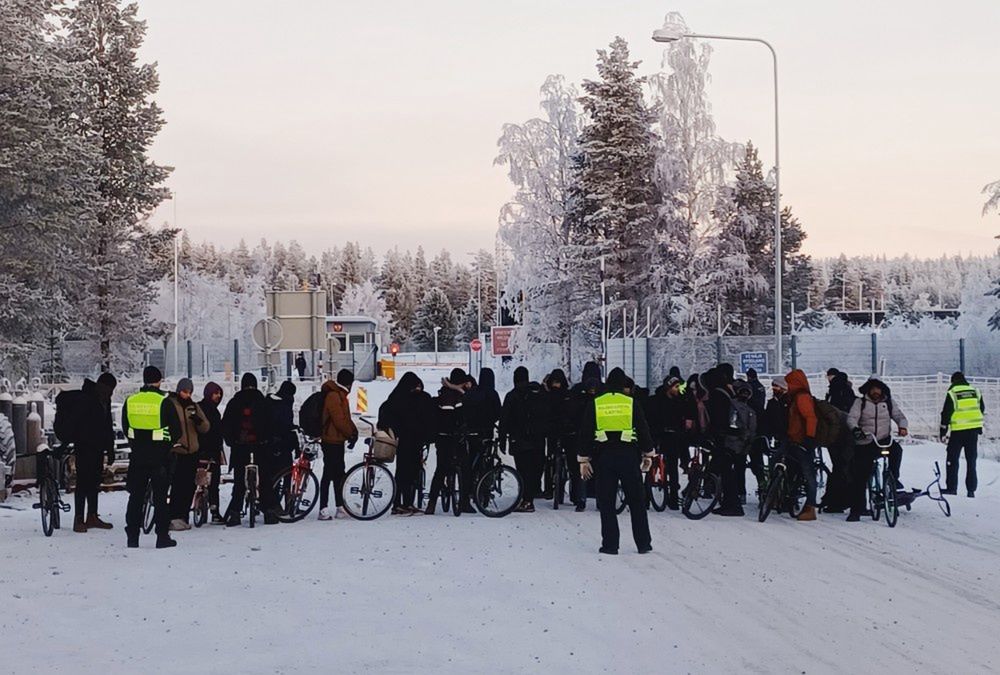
(703, 488)
(785, 490)
(499, 486)
(252, 501)
(559, 472)
(422, 477)
(51, 477)
(882, 486)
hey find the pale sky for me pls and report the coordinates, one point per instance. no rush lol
(328, 121)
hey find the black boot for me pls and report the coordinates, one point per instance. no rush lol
(133, 539)
(164, 541)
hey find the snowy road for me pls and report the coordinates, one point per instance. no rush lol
(528, 593)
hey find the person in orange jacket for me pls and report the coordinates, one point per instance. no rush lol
(338, 430)
(802, 423)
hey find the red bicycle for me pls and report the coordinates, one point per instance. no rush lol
(297, 488)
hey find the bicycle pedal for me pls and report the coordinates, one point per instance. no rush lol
(36, 506)
(65, 508)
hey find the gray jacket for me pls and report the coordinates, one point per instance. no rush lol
(875, 418)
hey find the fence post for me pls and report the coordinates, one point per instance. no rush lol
(961, 354)
(795, 359)
(236, 360)
(718, 349)
(874, 353)
(288, 365)
(189, 360)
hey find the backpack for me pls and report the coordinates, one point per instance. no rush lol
(742, 422)
(311, 415)
(69, 416)
(536, 413)
(829, 423)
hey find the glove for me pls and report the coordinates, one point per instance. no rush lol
(943, 434)
(647, 462)
(351, 442)
(586, 470)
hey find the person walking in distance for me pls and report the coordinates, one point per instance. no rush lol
(615, 437)
(246, 428)
(963, 415)
(210, 443)
(94, 440)
(150, 423)
(338, 430)
(300, 365)
(185, 453)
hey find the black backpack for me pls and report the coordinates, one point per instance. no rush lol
(311, 415)
(69, 416)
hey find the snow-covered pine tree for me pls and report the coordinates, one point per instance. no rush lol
(121, 117)
(618, 198)
(468, 323)
(993, 203)
(434, 310)
(47, 185)
(400, 297)
(347, 270)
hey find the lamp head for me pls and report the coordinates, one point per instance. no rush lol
(667, 34)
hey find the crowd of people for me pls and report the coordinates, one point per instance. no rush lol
(607, 430)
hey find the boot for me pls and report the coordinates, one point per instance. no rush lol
(431, 506)
(854, 517)
(233, 520)
(217, 518)
(808, 513)
(271, 517)
(133, 539)
(164, 541)
(79, 525)
(94, 521)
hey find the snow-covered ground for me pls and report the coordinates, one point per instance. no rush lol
(528, 593)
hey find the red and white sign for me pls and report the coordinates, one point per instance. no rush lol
(502, 340)
(476, 344)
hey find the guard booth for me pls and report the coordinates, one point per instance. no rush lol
(352, 343)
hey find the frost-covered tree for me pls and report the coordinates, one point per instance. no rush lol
(618, 201)
(400, 297)
(123, 252)
(690, 169)
(366, 300)
(434, 310)
(541, 263)
(993, 203)
(47, 181)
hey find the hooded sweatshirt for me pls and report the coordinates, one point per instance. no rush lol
(802, 419)
(482, 404)
(338, 427)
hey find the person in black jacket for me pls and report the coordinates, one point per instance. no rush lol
(95, 441)
(210, 444)
(719, 383)
(405, 412)
(246, 429)
(449, 427)
(758, 400)
(841, 392)
(300, 365)
(665, 415)
(524, 422)
(482, 411)
(581, 397)
(149, 460)
(562, 433)
(614, 436)
(284, 437)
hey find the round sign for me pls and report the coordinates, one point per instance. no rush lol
(267, 334)
(394, 348)
(476, 344)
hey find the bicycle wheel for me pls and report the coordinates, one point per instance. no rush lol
(148, 513)
(889, 498)
(560, 476)
(200, 508)
(446, 494)
(620, 503)
(772, 494)
(368, 491)
(48, 504)
(456, 495)
(301, 497)
(656, 487)
(252, 501)
(421, 483)
(796, 494)
(701, 494)
(875, 495)
(499, 491)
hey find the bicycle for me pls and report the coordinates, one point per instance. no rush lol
(560, 474)
(499, 487)
(422, 477)
(148, 511)
(657, 484)
(369, 488)
(202, 481)
(252, 500)
(51, 469)
(296, 487)
(703, 488)
(906, 499)
(785, 490)
(882, 486)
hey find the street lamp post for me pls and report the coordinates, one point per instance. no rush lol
(673, 35)
(437, 329)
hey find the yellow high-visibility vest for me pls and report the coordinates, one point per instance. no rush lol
(143, 410)
(967, 412)
(613, 412)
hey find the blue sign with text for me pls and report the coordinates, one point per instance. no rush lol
(755, 360)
